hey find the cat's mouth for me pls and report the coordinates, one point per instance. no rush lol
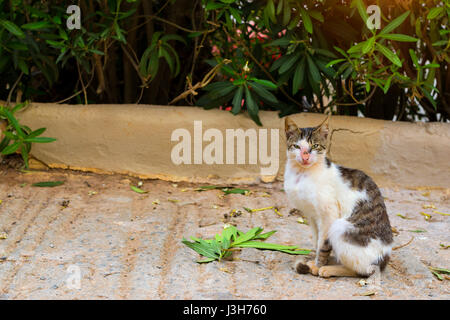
(304, 162)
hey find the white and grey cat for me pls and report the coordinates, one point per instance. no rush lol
(344, 207)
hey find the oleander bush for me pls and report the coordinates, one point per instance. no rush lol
(242, 56)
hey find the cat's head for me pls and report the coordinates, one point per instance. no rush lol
(307, 146)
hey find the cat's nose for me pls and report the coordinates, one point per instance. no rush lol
(305, 155)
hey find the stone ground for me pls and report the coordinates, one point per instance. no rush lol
(128, 245)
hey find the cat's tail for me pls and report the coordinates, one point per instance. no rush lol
(301, 267)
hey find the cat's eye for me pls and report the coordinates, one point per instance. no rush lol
(315, 146)
(296, 146)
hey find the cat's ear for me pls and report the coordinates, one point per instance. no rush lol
(323, 128)
(289, 127)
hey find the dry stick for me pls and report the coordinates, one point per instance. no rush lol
(13, 88)
(82, 83)
(403, 245)
(206, 80)
(136, 67)
(151, 17)
(353, 103)
(77, 93)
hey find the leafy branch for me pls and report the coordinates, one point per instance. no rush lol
(231, 239)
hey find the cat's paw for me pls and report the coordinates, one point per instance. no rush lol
(313, 268)
(324, 272)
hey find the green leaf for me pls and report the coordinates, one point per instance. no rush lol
(202, 248)
(264, 236)
(234, 191)
(306, 20)
(271, 11)
(432, 65)
(48, 184)
(237, 100)
(286, 13)
(313, 70)
(23, 66)
(249, 235)
(169, 37)
(429, 97)
(368, 45)
(266, 83)
(299, 76)
(282, 42)
(325, 53)
(252, 107)
(168, 59)
(263, 245)
(39, 139)
(440, 43)
(441, 270)
(333, 62)
(119, 33)
(289, 62)
(398, 37)
(361, 9)
(395, 23)
(36, 133)
(414, 58)
(264, 93)
(235, 13)
(138, 190)
(316, 15)
(24, 153)
(12, 148)
(434, 12)
(36, 25)
(389, 54)
(13, 121)
(13, 28)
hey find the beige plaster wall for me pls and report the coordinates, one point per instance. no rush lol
(136, 140)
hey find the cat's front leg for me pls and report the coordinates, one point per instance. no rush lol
(323, 253)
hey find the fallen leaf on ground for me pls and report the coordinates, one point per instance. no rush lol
(137, 190)
(91, 193)
(225, 270)
(426, 194)
(277, 211)
(441, 213)
(418, 230)
(362, 282)
(429, 206)
(369, 293)
(173, 200)
(48, 184)
(402, 216)
(3, 235)
(426, 215)
(301, 220)
(155, 201)
(443, 246)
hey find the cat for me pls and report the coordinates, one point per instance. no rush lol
(343, 206)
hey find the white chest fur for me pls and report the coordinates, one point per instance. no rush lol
(320, 191)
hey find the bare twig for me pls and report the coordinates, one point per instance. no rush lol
(82, 83)
(206, 80)
(403, 245)
(13, 88)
